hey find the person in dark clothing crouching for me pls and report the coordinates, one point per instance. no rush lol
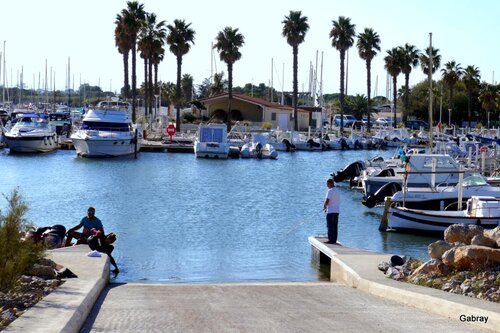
(103, 243)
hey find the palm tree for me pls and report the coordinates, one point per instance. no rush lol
(295, 27)
(409, 59)
(124, 44)
(451, 73)
(228, 43)
(424, 60)
(180, 38)
(132, 17)
(393, 66)
(151, 41)
(471, 79)
(219, 84)
(342, 35)
(488, 97)
(368, 44)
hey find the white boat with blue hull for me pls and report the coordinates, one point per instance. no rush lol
(107, 131)
(31, 134)
(483, 211)
(211, 141)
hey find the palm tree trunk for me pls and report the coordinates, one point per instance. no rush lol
(145, 87)
(126, 87)
(295, 87)
(230, 88)
(156, 91)
(150, 84)
(134, 79)
(395, 96)
(178, 93)
(368, 86)
(342, 75)
(407, 97)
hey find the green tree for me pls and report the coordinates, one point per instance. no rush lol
(368, 44)
(187, 88)
(488, 97)
(409, 60)
(451, 74)
(424, 60)
(295, 27)
(342, 35)
(228, 43)
(132, 17)
(393, 66)
(151, 41)
(471, 80)
(180, 38)
(123, 42)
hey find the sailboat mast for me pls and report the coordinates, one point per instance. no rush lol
(430, 89)
(4, 70)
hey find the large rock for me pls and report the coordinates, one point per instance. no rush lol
(482, 240)
(493, 234)
(431, 266)
(472, 257)
(437, 249)
(462, 233)
(42, 271)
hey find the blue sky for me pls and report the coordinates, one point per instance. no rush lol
(465, 31)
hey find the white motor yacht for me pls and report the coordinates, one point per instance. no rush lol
(107, 131)
(31, 134)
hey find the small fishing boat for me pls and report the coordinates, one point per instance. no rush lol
(483, 211)
(211, 141)
(259, 148)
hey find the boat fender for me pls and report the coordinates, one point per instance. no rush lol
(45, 140)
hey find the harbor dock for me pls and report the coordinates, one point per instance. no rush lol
(359, 298)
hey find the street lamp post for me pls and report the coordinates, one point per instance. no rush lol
(449, 117)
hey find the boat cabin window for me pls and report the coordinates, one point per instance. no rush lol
(475, 180)
(212, 135)
(105, 126)
(440, 162)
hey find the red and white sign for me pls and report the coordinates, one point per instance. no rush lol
(171, 131)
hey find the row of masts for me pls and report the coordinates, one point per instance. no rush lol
(47, 85)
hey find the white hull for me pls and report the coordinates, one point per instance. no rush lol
(105, 147)
(211, 150)
(403, 219)
(32, 145)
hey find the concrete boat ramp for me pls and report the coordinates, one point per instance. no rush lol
(359, 299)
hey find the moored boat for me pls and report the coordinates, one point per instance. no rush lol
(483, 211)
(211, 141)
(31, 134)
(107, 131)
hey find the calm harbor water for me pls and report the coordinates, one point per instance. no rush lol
(181, 219)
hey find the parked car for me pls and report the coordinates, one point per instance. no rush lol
(383, 121)
(365, 121)
(416, 124)
(348, 120)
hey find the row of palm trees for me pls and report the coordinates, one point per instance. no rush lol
(137, 30)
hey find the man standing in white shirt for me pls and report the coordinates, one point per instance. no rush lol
(331, 207)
